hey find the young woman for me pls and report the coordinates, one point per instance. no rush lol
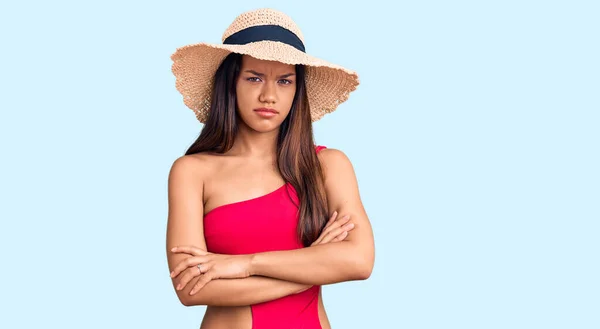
(259, 216)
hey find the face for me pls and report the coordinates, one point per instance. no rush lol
(265, 92)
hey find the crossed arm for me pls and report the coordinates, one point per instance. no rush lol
(279, 273)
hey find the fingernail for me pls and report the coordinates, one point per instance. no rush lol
(350, 225)
(192, 292)
(171, 274)
(178, 287)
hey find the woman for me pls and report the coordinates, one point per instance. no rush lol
(260, 217)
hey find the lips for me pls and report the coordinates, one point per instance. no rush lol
(264, 109)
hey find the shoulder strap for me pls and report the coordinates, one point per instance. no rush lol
(319, 147)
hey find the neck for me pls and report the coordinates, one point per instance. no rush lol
(254, 144)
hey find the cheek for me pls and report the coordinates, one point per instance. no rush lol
(244, 96)
(288, 97)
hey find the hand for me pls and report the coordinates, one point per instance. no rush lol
(212, 266)
(335, 230)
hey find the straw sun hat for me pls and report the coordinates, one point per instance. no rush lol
(265, 34)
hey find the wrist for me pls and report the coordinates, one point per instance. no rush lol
(252, 264)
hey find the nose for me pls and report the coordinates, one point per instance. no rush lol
(267, 94)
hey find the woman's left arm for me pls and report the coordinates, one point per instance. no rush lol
(347, 260)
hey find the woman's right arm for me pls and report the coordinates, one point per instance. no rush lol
(185, 227)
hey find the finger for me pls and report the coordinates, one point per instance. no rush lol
(329, 222)
(340, 237)
(188, 275)
(205, 267)
(336, 224)
(318, 240)
(190, 250)
(329, 236)
(331, 219)
(334, 233)
(188, 262)
(204, 279)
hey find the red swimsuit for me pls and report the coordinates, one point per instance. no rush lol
(265, 223)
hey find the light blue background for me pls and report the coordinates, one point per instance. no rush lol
(474, 135)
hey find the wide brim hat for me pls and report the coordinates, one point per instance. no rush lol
(265, 34)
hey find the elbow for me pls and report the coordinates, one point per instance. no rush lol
(364, 271)
(184, 300)
(359, 270)
(183, 296)
(197, 299)
(363, 267)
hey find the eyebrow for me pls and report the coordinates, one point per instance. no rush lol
(262, 74)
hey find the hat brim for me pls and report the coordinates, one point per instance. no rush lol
(194, 67)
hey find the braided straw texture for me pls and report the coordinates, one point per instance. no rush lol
(194, 66)
(264, 16)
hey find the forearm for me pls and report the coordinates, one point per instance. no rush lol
(238, 292)
(316, 265)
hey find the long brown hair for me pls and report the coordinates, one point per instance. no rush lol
(296, 157)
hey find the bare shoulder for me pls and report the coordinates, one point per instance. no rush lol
(341, 184)
(196, 166)
(332, 153)
(336, 164)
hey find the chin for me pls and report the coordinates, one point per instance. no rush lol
(262, 125)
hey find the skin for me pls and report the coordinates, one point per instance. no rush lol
(343, 252)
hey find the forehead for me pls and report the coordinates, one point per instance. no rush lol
(263, 66)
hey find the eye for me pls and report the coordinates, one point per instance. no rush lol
(251, 79)
(286, 81)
